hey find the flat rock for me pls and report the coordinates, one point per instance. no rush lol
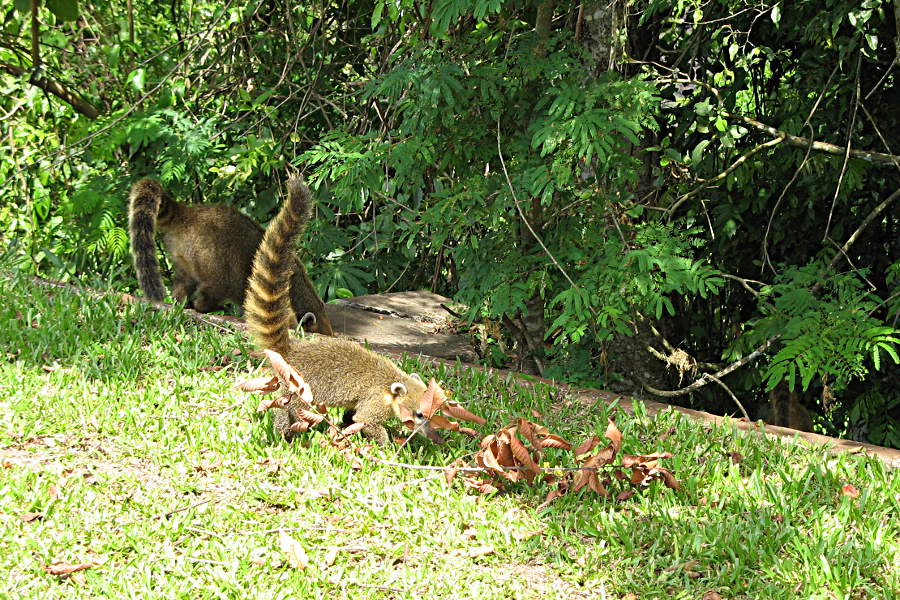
(401, 334)
(419, 305)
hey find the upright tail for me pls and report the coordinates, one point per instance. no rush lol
(267, 307)
(146, 197)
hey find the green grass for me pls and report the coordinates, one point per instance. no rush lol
(142, 458)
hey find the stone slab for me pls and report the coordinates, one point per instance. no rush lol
(400, 334)
(419, 305)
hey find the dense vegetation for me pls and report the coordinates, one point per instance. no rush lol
(715, 180)
(160, 481)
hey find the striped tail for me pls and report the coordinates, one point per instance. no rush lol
(267, 307)
(146, 197)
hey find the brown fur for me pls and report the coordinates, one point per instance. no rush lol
(784, 409)
(211, 247)
(340, 373)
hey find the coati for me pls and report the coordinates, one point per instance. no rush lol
(340, 373)
(212, 248)
(784, 409)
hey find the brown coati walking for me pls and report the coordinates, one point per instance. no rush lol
(340, 373)
(211, 247)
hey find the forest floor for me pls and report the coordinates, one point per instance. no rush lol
(130, 467)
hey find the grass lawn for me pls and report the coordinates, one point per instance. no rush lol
(123, 445)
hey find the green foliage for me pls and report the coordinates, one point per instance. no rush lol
(830, 335)
(439, 135)
(130, 414)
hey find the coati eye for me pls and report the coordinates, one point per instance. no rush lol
(418, 416)
(398, 389)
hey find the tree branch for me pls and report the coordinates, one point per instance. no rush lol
(706, 377)
(54, 87)
(704, 183)
(855, 236)
(800, 142)
(35, 35)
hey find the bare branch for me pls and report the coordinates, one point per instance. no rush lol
(705, 183)
(855, 235)
(730, 393)
(35, 35)
(707, 377)
(801, 142)
(54, 87)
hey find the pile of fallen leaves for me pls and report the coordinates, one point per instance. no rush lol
(512, 454)
(515, 452)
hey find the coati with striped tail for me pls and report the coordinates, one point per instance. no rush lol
(211, 247)
(340, 373)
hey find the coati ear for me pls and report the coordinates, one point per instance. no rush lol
(307, 317)
(417, 377)
(398, 389)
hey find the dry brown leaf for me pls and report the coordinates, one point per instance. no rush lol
(601, 459)
(554, 441)
(711, 596)
(31, 516)
(351, 429)
(735, 457)
(535, 414)
(442, 422)
(488, 460)
(267, 403)
(582, 478)
(450, 474)
(296, 555)
(638, 476)
(849, 490)
(288, 374)
(430, 402)
(624, 495)
(504, 452)
(64, 568)
(529, 432)
(521, 536)
(330, 557)
(521, 453)
(53, 491)
(613, 435)
(457, 411)
(551, 496)
(480, 551)
(595, 484)
(480, 485)
(310, 417)
(262, 385)
(587, 446)
(667, 477)
(629, 461)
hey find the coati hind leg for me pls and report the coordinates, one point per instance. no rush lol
(204, 301)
